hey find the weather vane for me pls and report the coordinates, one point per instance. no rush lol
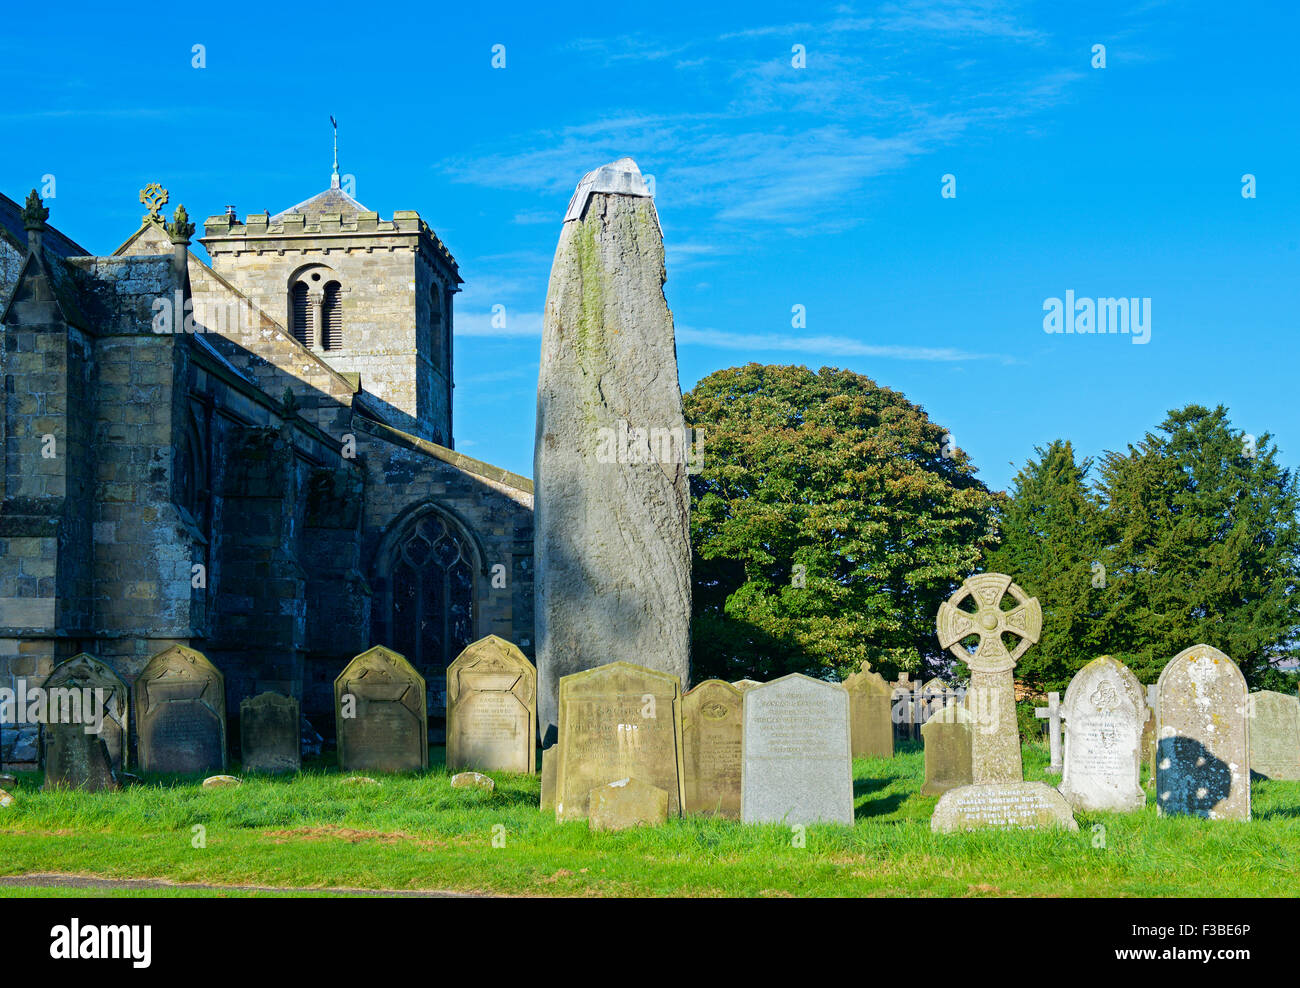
(334, 178)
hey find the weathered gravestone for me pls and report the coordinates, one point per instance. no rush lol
(76, 759)
(1104, 714)
(381, 714)
(870, 703)
(618, 721)
(626, 803)
(492, 708)
(1002, 805)
(711, 736)
(180, 703)
(947, 736)
(1202, 737)
(550, 760)
(269, 735)
(797, 754)
(995, 740)
(1275, 735)
(612, 518)
(101, 688)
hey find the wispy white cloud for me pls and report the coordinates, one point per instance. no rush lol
(829, 346)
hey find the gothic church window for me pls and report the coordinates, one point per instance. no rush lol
(432, 593)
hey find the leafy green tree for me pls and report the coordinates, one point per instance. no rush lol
(830, 519)
(1202, 545)
(1050, 546)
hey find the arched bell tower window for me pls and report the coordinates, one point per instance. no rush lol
(432, 593)
(300, 314)
(315, 316)
(332, 318)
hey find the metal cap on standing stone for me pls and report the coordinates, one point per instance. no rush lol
(621, 177)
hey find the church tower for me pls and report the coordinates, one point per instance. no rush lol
(370, 297)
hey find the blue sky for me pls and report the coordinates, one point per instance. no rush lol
(776, 186)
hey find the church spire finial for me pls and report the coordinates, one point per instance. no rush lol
(334, 178)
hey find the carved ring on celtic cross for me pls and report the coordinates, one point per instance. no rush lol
(989, 621)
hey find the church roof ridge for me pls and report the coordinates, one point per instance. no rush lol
(331, 200)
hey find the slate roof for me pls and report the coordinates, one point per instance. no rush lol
(11, 223)
(329, 201)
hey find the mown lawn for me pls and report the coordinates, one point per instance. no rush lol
(313, 831)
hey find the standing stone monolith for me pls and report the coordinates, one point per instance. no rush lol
(1275, 735)
(1104, 714)
(870, 703)
(995, 739)
(797, 753)
(1202, 737)
(612, 511)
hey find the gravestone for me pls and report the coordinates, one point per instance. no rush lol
(711, 736)
(1149, 734)
(746, 684)
(995, 738)
(75, 759)
(935, 695)
(626, 803)
(947, 736)
(1052, 714)
(108, 693)
(618, 721)
(1104, 714)
(1275, 735)
(612, 518)
(797, 753)
(903, 710)
(870, 703)
(381, 716)
(269, 735)
(180, 703)
(492, 709)
(1001, 805)
(1202, 737)
(550, 759)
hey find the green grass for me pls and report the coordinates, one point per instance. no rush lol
(415, 832)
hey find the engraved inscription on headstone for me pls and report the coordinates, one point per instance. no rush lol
(180, 702)
(381, 714)
(492, 708)
(618, 721)
(1275, 735)
(1202, 737)
(269, 735)
(797, 753)
(1002, 805)
(711, 736)
(1104, 714)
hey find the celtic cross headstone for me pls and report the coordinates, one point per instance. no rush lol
(995, 739)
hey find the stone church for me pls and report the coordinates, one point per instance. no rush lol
(252, 457)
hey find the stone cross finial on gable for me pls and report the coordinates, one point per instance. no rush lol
(36, 213)
(154, 197)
